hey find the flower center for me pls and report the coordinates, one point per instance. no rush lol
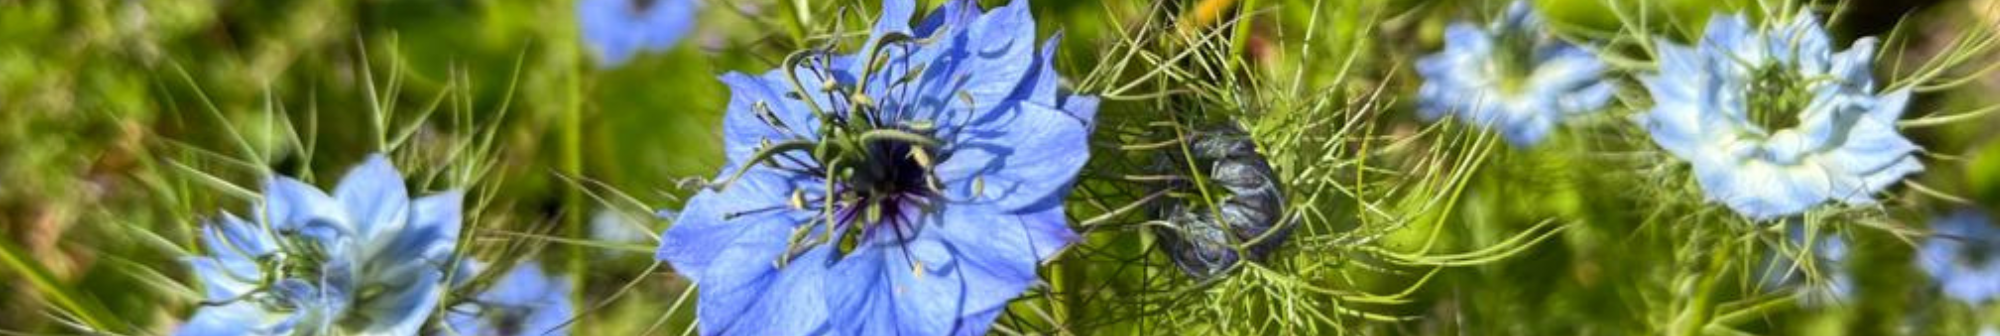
(876, 161)
(1513, 60)
(640, 6)
(1977, 254)
(1775, 97)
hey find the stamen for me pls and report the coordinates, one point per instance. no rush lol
(762, 156)
(978, 186)
(923, 157)
(798, 200)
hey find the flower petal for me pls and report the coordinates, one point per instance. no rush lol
(290, 204)
(375, 199)
(1015, 158)
(753, 216)
(402, 309)
(758, 298)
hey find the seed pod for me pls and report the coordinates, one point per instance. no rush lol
(1205, 242)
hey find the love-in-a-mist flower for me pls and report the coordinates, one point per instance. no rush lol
(616, 30)
(524, 302)
(366, 260)
(1773, 121)
(912, 187)
(1964, 256)
(1514, 76)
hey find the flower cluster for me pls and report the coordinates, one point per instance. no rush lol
(365, 260)
(912, 187)
(1514, 76)
(1773, 121)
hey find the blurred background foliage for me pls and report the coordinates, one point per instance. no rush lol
(108, 108)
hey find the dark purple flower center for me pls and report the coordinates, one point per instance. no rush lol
(876, 166)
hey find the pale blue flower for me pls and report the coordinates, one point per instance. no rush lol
(1964, 256)
(910, 188)
(616, 30)
(366, 260)
(1773, 121)
(524, 302)
(1514, 76)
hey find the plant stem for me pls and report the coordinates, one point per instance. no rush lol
(88, 312)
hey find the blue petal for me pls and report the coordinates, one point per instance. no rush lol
(291, 205)
(436, 223)
(237, 244)
(1869, 146)
(1566, 70)
(760, 299)
(1022, 155)
(221, 283)
(615, 32)
(881, 291)
(403, 308)
(1888, 108)
(526, 301)
(374, 197)
(1673, 123)
(1526, 128)
(1731, 36)
(1083, 108)
(1761, 191)
(744, 131)
(753, 216)
(1855, 67)
(975, 68)
(1521, 16)
(1955, 235)
(1804, 41)
(895, 17)
(964, 263)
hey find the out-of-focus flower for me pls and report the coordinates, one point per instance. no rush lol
(616, 30)
(1514, 76)
(1773, 121)
(1964, 256)
(524, 302)
(365, 260)
(909, 188)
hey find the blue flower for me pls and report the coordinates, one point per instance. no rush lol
(618, 29)
(912, 187)
(365, 260)
(1775, 122)
(1964, 256)
(1515, 76)
(524, 302)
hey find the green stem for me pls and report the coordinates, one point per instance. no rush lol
(570, 138)
(801, 19)
(1239, 39)
(89, 313)
(1696, 314)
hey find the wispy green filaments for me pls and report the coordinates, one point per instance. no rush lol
(1775, 96)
